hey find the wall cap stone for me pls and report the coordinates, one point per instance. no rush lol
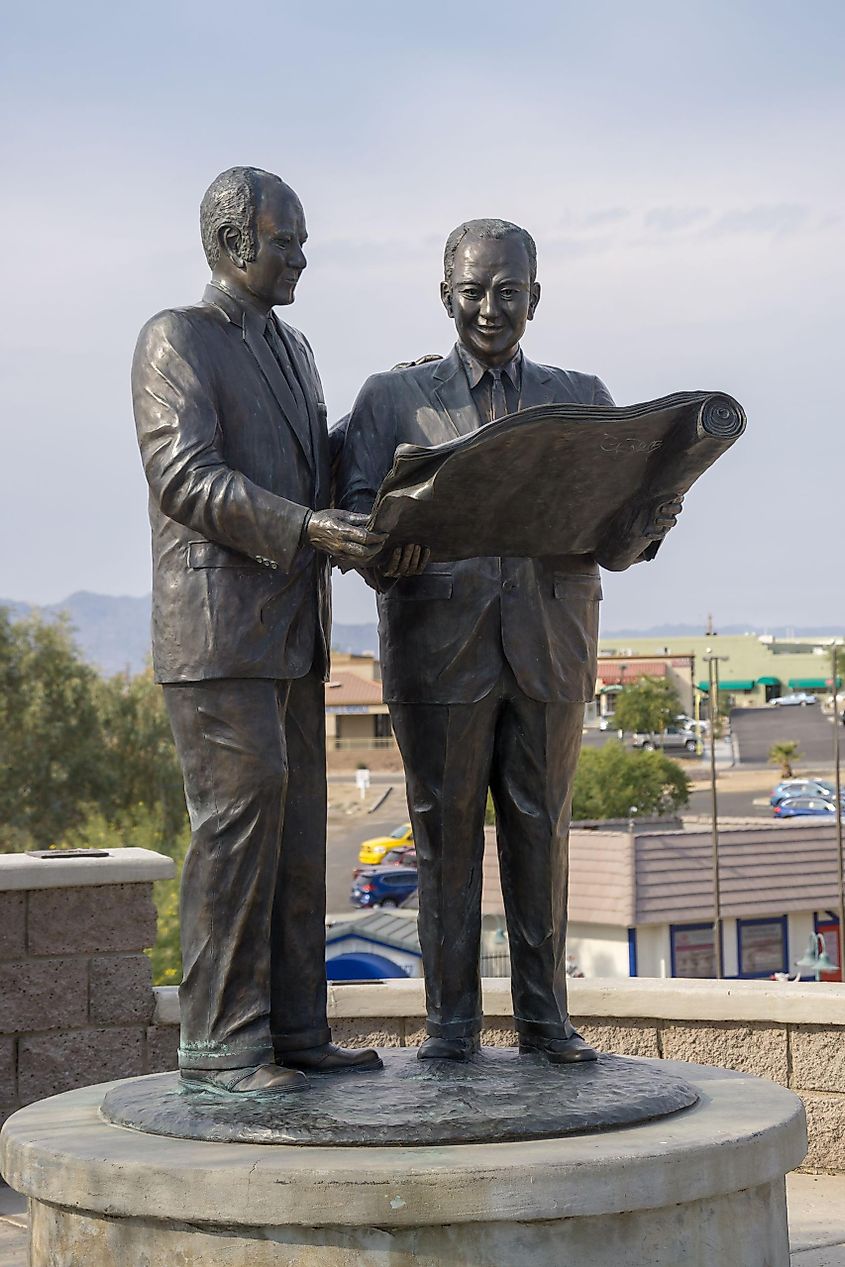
(122, 866)
(640, 998)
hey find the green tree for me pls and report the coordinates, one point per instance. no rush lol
(51, 735)
(140, 758)
(784, 754)
(611, 780)
(649, 706)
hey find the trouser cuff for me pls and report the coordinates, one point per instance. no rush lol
(454, 1029)
(302, 1041)
(211, 1057)
(544, 1029)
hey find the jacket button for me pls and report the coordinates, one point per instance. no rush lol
(508, 586)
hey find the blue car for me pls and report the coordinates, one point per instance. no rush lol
(795, 806)
(383, 886)
(803, 787)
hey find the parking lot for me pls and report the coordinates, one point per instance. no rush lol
(756, 729)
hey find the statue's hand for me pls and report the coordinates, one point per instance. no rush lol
(407, 561)
(423, 360)
(664, 517)
(343, 535)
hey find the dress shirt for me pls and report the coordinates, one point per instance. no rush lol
(480, 381)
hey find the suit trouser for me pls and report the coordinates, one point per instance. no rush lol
(253, 896)
(526, 752)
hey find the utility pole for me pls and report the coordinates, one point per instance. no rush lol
(712, 661)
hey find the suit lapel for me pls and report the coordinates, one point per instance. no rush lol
(308, 384)
(253, 335)
(453, 395)
(535, 384)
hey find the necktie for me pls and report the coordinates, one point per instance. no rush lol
(283, 360)
(498, 397)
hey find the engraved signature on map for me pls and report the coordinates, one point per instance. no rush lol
(628, 444)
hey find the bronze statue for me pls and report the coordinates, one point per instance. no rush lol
(232, 429)
(487, 662)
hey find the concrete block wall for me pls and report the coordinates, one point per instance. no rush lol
(793, 1034)
(76, 994)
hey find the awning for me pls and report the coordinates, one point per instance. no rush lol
(730, 684)
(768, 681)
(808, 683)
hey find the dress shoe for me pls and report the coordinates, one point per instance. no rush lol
(258, 1079)
(558, 1051)
(331, 1059)
(434, 1048)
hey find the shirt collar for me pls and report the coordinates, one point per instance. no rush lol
(243, 302)
(475, 371)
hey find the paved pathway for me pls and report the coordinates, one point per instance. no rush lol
(816, 1222)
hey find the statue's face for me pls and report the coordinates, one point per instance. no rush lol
(281, 235)
(491, 297)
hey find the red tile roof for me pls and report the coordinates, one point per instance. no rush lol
(344, 689)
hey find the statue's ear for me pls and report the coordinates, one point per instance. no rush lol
(535, 299)
(230, 240)
(446, 298)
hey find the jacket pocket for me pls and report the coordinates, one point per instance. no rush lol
(205, 554)
(427, 585)
(578, 589)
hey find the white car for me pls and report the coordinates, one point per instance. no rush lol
(800, 698)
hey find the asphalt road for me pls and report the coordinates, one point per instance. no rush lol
(344, 840)
(756, 729)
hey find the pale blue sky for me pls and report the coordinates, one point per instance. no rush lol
(680, 165)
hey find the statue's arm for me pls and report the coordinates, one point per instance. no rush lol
(179, 435)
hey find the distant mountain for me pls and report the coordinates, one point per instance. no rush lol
(113, 633)
(691, 631)
(356, 639)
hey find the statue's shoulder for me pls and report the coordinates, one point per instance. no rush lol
(181, 323)
(573, 384)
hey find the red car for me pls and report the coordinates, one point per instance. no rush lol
(401, 856)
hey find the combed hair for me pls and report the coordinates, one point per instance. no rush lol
(487, 229)
(232, 199)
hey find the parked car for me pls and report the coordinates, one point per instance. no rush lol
(383, 886)
(673, 737)
(799, 806)
(799, 698)
(803, 787)
(402, 856)
(372, 851)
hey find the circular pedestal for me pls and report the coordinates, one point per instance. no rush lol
(702, 1186)
(498, 1096)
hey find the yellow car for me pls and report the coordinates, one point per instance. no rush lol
(372, 851)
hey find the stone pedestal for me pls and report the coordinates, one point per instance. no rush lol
(704, 1185)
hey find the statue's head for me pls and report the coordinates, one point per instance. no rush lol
(253, 232)
(490, 286)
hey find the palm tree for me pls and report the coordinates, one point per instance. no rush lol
(783, 754)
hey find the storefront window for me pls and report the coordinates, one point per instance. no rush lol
(692, 950)
(762, 947)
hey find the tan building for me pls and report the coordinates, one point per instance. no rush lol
(758, 667)
(642, 904)
(356, 715)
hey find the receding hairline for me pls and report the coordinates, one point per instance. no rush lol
(487, 228)
(471, 237)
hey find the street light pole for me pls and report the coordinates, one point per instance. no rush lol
(837, 776)
(713, 683)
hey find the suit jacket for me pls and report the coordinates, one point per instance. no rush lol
(445, 634)
(233, 465)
